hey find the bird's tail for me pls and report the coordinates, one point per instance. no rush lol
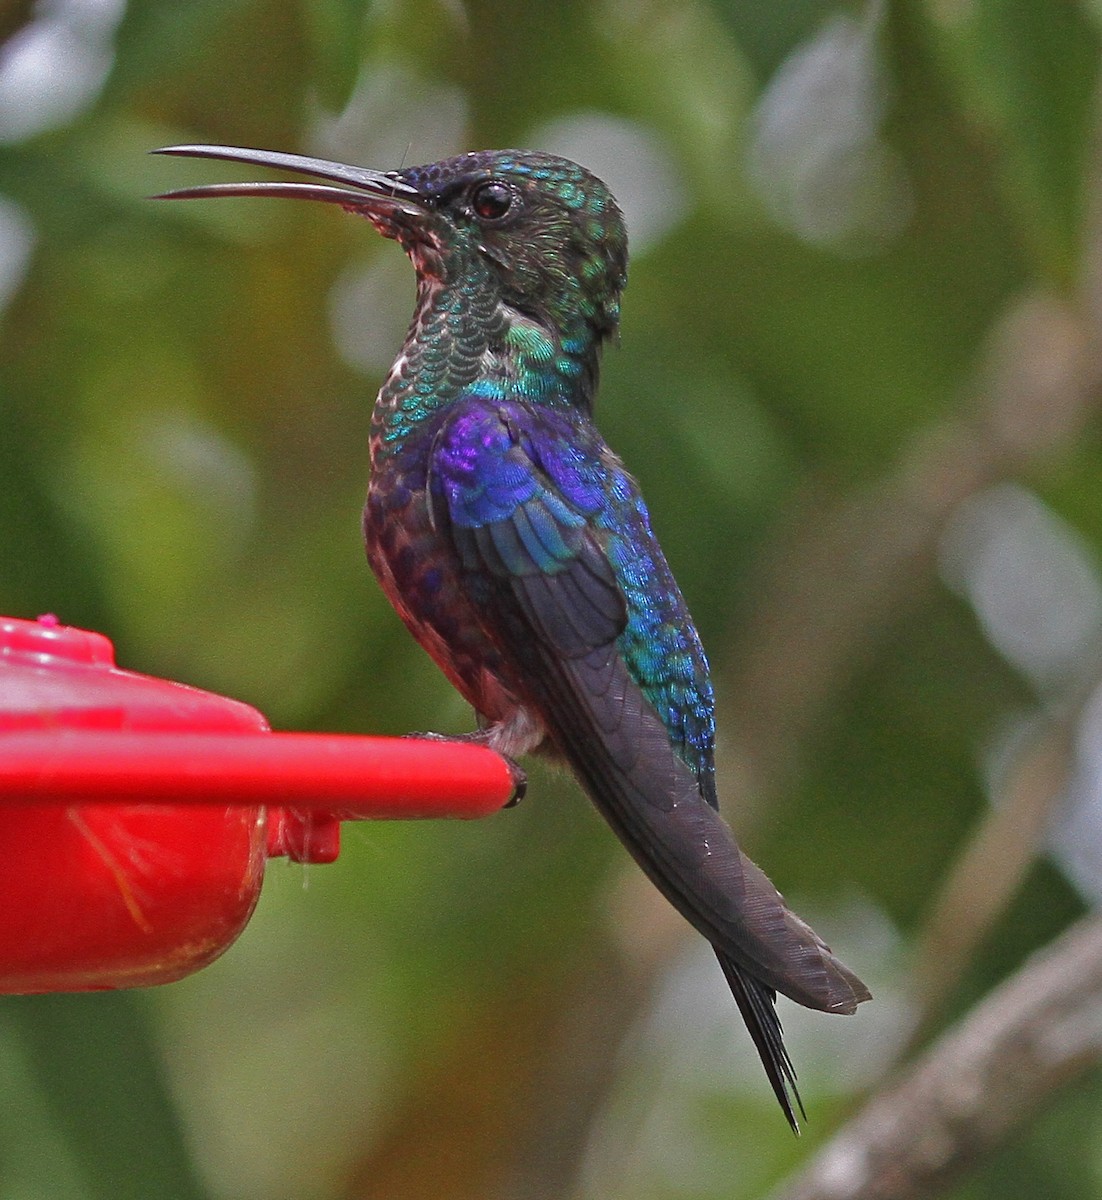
(757, 1003)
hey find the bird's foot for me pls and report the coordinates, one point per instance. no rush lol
(476, 737)
(480, 737)
(520, 781)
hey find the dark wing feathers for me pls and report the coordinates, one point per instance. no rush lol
(572, 610)
(532, 534)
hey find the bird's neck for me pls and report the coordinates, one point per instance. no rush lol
(465, 339)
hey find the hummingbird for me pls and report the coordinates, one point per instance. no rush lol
(518, 550)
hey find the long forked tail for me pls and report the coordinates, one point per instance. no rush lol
(757, 1003)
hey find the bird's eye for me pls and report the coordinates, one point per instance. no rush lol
(492, 200)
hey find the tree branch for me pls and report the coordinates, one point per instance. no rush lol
(979, 1083)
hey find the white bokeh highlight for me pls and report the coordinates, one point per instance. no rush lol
(816, 156)
(17, 239)
(54, 67)
(632, 160)
(1030, 579)
(393, 119)
(1076, 834)
(1034, 586)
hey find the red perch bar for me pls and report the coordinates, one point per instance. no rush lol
(139, 813)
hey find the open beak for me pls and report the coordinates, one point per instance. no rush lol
(374, 193)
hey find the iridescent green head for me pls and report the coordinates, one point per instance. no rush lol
(541, 229)
(550, 231)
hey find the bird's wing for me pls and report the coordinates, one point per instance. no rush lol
(551, 537)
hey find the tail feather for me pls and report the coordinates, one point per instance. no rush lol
(757, 1003)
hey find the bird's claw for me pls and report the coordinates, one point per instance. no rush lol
(520, 781)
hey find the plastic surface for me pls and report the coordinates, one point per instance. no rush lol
(138, 813)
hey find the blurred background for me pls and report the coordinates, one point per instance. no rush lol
(859, 383)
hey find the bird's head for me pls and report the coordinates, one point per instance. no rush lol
(542, 230)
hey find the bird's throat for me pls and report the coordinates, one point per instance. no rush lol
(466, 340)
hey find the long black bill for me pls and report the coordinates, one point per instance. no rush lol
(365, 189)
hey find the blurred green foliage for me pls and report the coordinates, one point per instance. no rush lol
(854, 201)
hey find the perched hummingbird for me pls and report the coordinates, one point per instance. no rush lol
(517, 548)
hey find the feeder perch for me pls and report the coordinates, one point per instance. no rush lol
(138, 814)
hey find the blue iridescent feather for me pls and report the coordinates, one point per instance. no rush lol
(532, 469)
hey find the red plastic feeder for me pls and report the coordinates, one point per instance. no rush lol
(138, 814)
